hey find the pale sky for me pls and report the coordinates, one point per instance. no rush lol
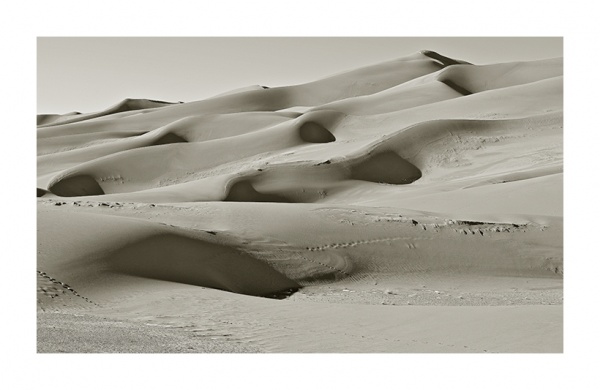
(91, 74)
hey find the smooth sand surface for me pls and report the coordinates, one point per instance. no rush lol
(410, 206)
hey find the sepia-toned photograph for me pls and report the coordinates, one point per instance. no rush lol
(299, 195)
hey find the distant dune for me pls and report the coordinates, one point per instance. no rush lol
(375, 182)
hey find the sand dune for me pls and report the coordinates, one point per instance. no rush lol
(374, 183)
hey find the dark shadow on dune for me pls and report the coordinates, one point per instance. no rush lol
(169, 138)
(456, 87)
(386, 167)
(282, 294)
(80, 185)
(315, 133)
(131, 104)
(181, 259)
(445, 61)
(41, 192)
(243, 191)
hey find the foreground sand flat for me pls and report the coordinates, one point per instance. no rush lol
(185, 321)
(409, 206)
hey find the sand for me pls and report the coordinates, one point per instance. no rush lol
(409, 206)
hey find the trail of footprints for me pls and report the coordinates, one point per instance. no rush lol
(327, 266)
(482, 230)
(362, 242)
(289, 254)
(64, 286)
(89, 203)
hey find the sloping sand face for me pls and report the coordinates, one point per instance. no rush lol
(425, 191)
